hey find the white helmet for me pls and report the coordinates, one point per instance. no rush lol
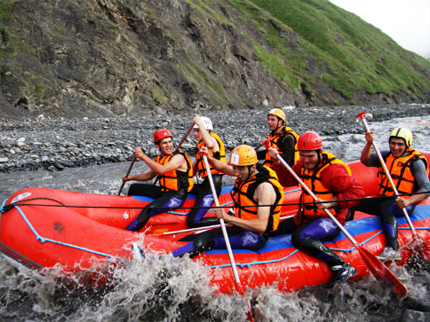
(207, 122)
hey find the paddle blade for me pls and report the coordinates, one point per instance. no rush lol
(379, 270)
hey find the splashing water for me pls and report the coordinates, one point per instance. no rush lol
(164, 288)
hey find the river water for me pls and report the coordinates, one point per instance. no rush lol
(167, 289)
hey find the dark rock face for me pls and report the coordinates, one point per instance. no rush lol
(95, 58)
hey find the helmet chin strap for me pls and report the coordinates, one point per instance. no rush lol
(278, 127)
(250, 175)
(319, 158)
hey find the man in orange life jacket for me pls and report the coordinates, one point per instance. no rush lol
(255, 185)
(330, 180)
(281, 137)
(409, 171)
(204, 135)
(175, 172)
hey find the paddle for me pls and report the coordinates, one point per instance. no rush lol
(377, 268)
(128, 172)
(224, 232)
(185, 136)
(134, 159)
(425, 250)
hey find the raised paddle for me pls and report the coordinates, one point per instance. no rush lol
(185, 136)
(224, 232)
(134, 158)
(377, 268)
(425, 247)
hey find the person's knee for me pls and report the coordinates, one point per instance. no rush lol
(297, 240)
(190, 222)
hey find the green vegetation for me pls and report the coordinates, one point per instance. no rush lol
(157, 96)
(201, 82)
(349, 54)
(6, 7)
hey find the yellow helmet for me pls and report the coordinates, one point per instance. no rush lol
(243, 155)
(404, 134)
(277, 112)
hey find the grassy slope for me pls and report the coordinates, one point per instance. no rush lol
(351, 53)
(345, 52)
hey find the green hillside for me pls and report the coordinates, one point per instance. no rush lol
(350, 53)
(132, 57)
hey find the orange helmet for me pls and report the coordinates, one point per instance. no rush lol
(278, 113)
(243, 155)
(161, 134)
(309, 141)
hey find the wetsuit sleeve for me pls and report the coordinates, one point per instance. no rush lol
(421, 178)
(287, 148)
(374, 160)
(336, 178)
(284, 176)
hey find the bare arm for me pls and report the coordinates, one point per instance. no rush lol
(217, 164)
(148, 175)
(177, 162)
(264, 195)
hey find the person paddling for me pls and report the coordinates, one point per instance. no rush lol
(255, 185)
(281, 137)
(330, 180)
(206, 138)
(409, 171)
(175, 173)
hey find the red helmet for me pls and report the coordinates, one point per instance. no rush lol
(309, 141)
(161, 134)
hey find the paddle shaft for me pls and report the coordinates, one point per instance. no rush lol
(185, 137)
(224, 230)
(309, 191)
(377, 268)
(387, 173)
(128, 172)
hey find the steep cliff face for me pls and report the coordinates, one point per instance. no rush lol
(111, 57)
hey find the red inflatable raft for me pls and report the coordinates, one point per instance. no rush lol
(77, 231)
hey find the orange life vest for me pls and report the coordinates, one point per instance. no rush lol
(277, 138)
(176, 179)
(243, 196)
(219, 155)
(401, 172)
(312, 179)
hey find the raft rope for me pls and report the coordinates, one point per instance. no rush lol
(346, 251)
(8, 207)
(241, 265)
(44, 240)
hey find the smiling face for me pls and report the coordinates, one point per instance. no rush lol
(165, 146)
(273, 122)
(310, 159)
(397, 147)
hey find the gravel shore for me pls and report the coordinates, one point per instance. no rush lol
(52, 144)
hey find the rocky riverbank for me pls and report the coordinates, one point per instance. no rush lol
(51, 144)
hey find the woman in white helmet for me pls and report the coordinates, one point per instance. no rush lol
(203, 134)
